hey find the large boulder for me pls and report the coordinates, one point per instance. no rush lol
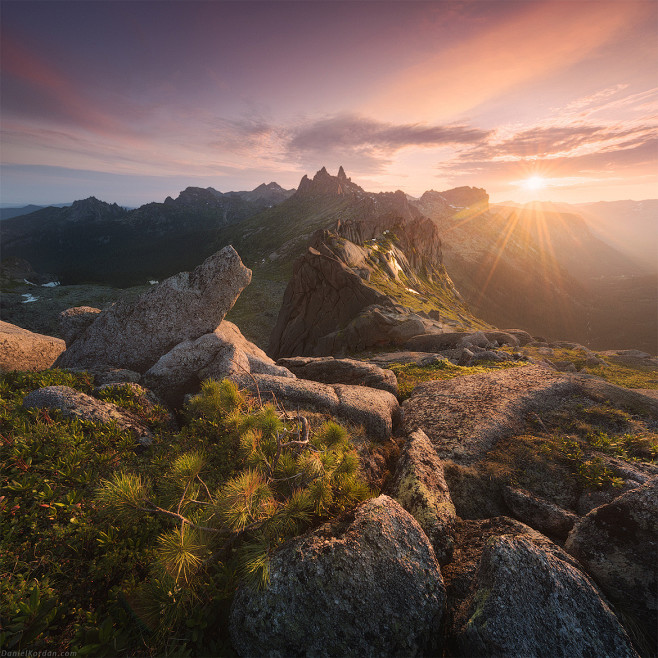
(21, 349)
(618, 544)
(419, 485)
(222, 353)
(367, 586)
(341, 371)
(134, 335)
(75, 404)
(377, 411)
(504, 338)
(73, 321)
(465, 417)
(322, 296)
(523, 337)
(532, 600)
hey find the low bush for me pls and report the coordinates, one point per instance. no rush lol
(109, 548)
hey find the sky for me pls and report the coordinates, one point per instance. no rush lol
(134, 101)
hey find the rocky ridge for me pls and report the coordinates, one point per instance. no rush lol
(439, 564)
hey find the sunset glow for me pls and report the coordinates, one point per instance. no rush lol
(533, 183)
(134, 101)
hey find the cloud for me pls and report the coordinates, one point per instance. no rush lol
(353, 131)
(367, 145)
(534, 43)
(548, 142)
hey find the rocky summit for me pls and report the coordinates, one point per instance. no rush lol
(187, 305)
(391, 476)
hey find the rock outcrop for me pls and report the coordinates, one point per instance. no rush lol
(186, 306)
(618, 544)
(377, 411)
(21, 349)
(222, 353)
(369, 586)
(437, 342)
(419, 486)
(465, 417)
(533, 600)
(375, 326)
(323, 296)
(343, 294)
(73, 321)
(341, 371)
(74, 404)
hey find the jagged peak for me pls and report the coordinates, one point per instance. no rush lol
(270, 187)
(90, 201)
(323, 183)
(91, 205)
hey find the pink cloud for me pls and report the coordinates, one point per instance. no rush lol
(541, 39)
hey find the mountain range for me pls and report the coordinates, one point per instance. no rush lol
(551, 269)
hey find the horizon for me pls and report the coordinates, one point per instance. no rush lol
(532, 100)
(9, 204)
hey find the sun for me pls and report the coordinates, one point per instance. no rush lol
(534, 183)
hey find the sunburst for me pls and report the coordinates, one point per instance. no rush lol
(534, 183)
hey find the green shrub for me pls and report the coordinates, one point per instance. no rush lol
(111, 549)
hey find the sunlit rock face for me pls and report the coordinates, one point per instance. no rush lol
(135, 334)
(21, 349)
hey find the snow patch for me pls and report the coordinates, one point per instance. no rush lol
(415, 292)
(29, 298)
(153, 282)
(50, 284)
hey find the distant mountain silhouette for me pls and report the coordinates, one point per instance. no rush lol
(95, 241)
(9, 212)
(544, 267)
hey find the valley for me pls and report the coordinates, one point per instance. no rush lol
(543, 268)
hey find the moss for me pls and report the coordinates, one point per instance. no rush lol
(479, 601)
(409, 375)
(639, 376)
(423, 503)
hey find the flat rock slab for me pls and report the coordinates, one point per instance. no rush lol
(404, 357)
(464, 417)
(341, 371)
(367, 586)
(21, 349)
(74, 404)
(603, 391)
(134, 334)
(631, 358)
(376, 410)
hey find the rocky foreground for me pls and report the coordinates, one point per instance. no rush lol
(487, 540)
